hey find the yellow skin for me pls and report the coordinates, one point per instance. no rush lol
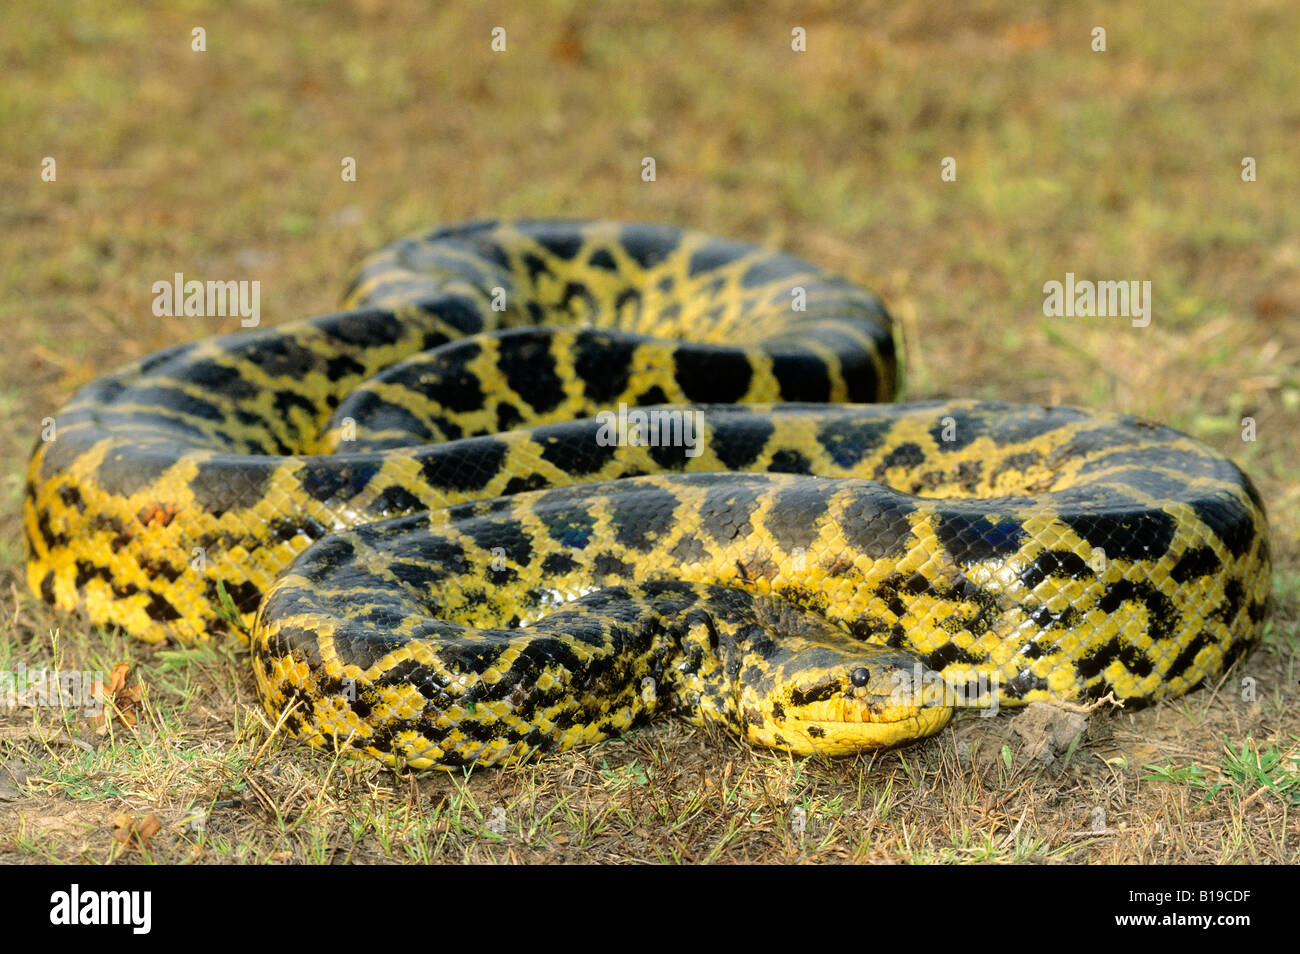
(1042, 552)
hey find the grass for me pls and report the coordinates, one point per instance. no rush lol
(1117, 165)
(1247, 773)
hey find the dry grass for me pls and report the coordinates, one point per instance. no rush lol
(1117, 165)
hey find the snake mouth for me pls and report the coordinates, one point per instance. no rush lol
(850, 721)
(844, 728)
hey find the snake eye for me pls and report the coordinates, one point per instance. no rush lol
(860, 677)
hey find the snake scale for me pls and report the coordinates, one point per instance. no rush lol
(542, 481)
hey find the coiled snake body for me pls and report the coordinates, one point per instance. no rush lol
(460, 537)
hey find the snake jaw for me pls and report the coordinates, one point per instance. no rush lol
(848, 738)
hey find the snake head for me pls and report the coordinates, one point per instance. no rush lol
(836, 696)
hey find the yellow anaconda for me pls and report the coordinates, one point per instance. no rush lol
(544, 480)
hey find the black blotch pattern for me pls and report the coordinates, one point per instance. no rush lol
(772, 268)
(87, 571)
(469, 468)
(602, 361)
(71, 497)
(219, 379)
(575, 450)
(786, 461)
(459, 312)
(802, 376)
(672, 456)
(1125, 535)
(1233, 598)
(803, 697)
(1017, 462)
(947, 655)
(283, 356)
(905, 455)
(712, 375)
(1092, 664)
(1229, 520)
(1188, 655)
(574, 290)
(508, 535)
(725, 511)
(738, 442)
(642, 518)
(326, 480)
(570, 526)
(974, 538)
(286, 401)
(848, 441)
(377, 414)
(341, 366)
(1024, 683)
(1055, 563)
(536, 266)
(508, 417)
(792, 518)
(529, 367)
(649, 245)
(556, 564)
(1162, 616)
(1194, 563)
(652, 395)
(521, 484)
(124, 471)
(602, 259)
(607, 564)
(438, 558)
(861, 378)
(878, 525)
(447, 380)
(564, 243)
(716, 255)
(394, 501)
(362, 328)
(219, 486)
(966, 427)
(688, 550)
(364, 646)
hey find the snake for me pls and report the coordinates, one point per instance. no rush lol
(541, 482)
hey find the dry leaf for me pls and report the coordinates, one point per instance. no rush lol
(119, 699)
(137, 832)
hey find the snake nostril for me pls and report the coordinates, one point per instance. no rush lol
(860, 677)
